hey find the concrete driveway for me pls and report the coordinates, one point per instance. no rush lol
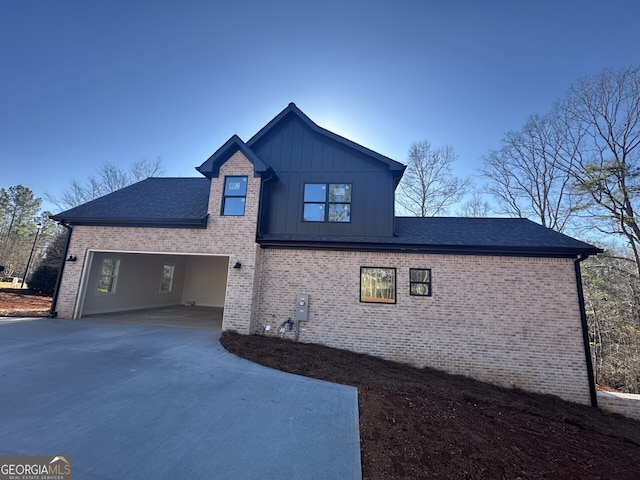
(144, 401)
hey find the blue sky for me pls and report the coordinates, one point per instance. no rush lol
(91, 81)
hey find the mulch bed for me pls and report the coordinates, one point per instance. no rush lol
(18, 302)
(422, 423)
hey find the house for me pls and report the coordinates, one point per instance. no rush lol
(299, 223)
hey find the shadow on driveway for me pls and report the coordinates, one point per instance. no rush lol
(171, 316)
(144, 401)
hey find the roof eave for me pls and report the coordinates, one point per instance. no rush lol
(512, 251)
(134, 222)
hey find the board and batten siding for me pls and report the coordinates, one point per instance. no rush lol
(299, 155)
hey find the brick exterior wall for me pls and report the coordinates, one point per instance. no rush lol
(506, 320)
(627, 404)
(510, 321)
(231, 236)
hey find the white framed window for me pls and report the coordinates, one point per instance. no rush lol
(377, 285)
(166, 282)
(108, 275)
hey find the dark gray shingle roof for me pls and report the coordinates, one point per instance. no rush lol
(183, 202)
(482, 232)
(488, 236)
(172, 202)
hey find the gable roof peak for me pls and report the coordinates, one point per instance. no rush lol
(395, 167)
(211, 167)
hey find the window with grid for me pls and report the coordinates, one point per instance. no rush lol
(327, 202)
(108, 275)
(420, 282)
(166, 281)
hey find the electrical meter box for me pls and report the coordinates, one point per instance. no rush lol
(302, 307)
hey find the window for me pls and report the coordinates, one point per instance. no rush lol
(166, 281)
(327, 202)
(235, 193)
(377, 285)
(108, 275)
(420, 282)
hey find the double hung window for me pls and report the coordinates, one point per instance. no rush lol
(166, 281)
(234, 197)
(420, 282)
(108, 275)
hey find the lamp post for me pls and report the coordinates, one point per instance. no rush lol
(38, 227)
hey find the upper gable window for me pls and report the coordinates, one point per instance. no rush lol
(327, 202)
(235, 194)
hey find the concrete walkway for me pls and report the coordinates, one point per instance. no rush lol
(143, 401)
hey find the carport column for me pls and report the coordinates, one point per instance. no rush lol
(239, 299)
(235, 235)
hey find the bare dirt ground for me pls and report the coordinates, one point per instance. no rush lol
(16, 302)
(422, 423)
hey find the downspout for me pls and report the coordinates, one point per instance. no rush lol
(256, 283)
(56, 291)
(585, 331)
(263, 180)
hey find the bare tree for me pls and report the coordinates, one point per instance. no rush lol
(109, 179)
(429, 187)
(145, 169)
(476, 206)
(611, 291)
(602, 119)
(581, 162)
(528, 174)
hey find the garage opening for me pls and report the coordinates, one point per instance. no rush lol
(154, 287)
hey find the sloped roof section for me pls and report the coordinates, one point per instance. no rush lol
(396, 168)
(211, 167)
(154, 202)
(508, 234)
(453, 235)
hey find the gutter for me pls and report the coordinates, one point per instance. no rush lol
(585, 331)
(396, 247)
(135, 222)
(56, 291)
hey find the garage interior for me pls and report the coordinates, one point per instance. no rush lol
(158, 288)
